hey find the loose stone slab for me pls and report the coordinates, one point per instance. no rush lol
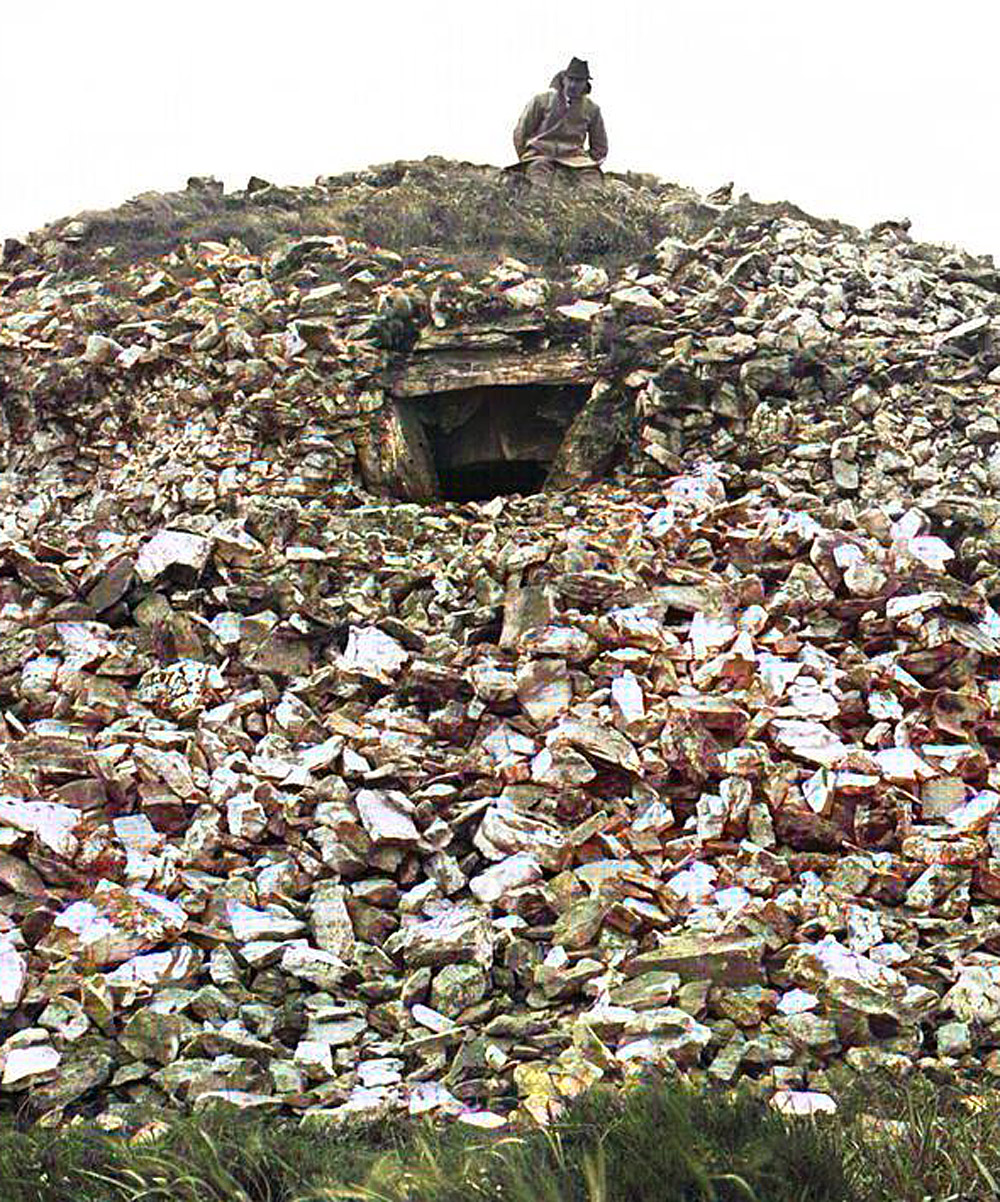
(386, 816)
(173, 549)
(115, 924)
(728, 960)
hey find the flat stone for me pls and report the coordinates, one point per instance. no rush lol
(385, 815)
(249, 924)
(637, 301)
(459, 934)
(337, 1032)
(52, 824)
(600, 742)
(384, 1071)
(115, 924)
(802, 1103)
(322, 969)
(315, 1058)
(113, 584)
(648, 991)
(237, 1099)
(456, 987)
(372, 653)
(580, 924)
(581, 311)
(173, 551)
(526, 607)
(76, 1077)
(667, 1036)
(157, 969)
(13, 975)
(28, 1066)
(529, 294)
(840, 975)
(330, 920)
(505, 830)
(561, 766)
(724, 959)
(565, 980)
(151, 1036)
(325, 299)
(511, 873)
(544, 690)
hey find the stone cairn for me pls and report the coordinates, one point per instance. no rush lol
(334, 803)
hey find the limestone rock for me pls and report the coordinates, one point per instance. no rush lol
(726, 959)
(173, 551)
(386, 816)
(459, 933)
(114, 925)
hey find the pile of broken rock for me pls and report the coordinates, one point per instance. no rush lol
(341, 804)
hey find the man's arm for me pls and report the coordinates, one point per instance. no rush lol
(598, 137)
(528, 123)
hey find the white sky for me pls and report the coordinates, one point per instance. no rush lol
(856, 110)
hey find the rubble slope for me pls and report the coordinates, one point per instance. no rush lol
(322, 799)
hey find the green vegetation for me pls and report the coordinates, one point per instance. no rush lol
(665, 1142)
(456, 211)
(476, 216)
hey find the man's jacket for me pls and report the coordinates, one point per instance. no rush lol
(550, 129)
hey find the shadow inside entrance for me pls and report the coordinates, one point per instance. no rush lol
(493, 478)
(491, 441)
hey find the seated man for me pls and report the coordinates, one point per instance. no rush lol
(552, 135)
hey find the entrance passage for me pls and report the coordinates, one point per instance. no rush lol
(499, 478)
(490, 441)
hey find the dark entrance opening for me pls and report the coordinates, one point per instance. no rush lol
(501, 478)
(491, 441)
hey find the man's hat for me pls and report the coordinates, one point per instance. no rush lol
(578, 69)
